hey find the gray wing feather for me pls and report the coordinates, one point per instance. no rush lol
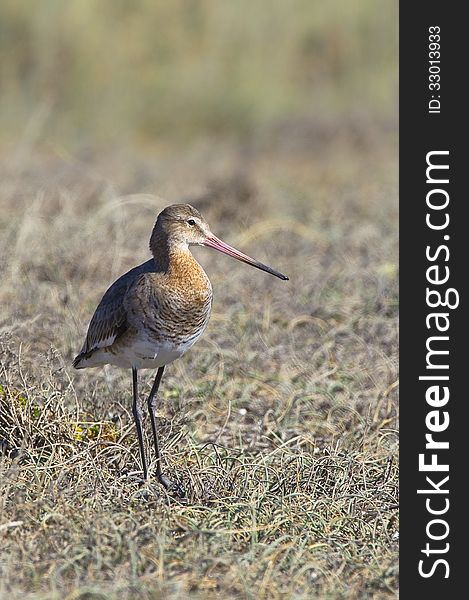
(110, 318)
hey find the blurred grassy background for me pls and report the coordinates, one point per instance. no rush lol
(121, 71)
(278, 120)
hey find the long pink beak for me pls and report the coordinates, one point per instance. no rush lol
(213, 242)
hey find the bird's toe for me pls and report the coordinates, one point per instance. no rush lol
(173, 487)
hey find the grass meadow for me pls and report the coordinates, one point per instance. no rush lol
(282, 422)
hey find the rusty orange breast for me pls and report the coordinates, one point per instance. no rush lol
(188, 278)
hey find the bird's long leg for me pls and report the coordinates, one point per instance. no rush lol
(152, 398)
(138, 423)
(151, 409)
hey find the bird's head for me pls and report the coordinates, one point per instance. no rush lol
(182, 225)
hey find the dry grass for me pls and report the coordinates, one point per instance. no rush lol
(281, 423)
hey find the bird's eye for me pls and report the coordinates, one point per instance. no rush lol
(190, 222)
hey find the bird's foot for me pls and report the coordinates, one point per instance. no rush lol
(133, 477)
(173, 487)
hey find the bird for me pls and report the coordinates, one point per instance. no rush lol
(156, 312)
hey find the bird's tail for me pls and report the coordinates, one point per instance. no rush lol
(80, 359)
(77, 361)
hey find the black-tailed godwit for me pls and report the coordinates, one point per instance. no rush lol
(155, 312)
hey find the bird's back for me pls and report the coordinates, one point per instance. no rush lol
(110, 320)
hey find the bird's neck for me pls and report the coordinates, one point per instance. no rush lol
(172, 258)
